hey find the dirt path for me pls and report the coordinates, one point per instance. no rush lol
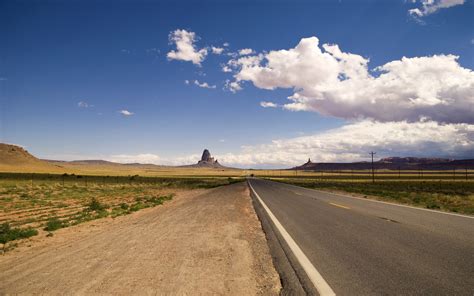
(206, 243)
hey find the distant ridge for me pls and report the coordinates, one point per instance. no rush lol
(392, 163)
(14, 158)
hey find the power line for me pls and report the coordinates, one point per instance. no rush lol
(373, 174)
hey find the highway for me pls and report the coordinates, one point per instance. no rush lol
(364, 247)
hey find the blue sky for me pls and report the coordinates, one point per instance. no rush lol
(114, 57)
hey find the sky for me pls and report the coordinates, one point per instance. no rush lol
(258, 83)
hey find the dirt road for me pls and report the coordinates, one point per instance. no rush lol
(207, 242)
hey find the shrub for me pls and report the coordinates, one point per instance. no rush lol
(8, 234)
(54, 224)
(95, 205)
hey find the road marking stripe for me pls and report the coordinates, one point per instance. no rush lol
(319, 283)
(378, 201)
(338, 205)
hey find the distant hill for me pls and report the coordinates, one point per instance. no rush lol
(16, 159)
(392, 163)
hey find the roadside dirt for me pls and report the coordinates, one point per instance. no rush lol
(201, 243)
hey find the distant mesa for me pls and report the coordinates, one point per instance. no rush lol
(392, 163)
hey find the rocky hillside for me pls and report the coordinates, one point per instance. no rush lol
(16, 159)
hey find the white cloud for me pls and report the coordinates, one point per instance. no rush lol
(126, 113)
(268, 104)
(186, 51)
(431, 6)
(246, 51)
(217, 50)
(144, 158)
(233, 86)
(226, 44)
(83, 104)
(337, 83)
(354, 141)
(186, 82)
(204, 84)
(226, 69)
(125, 51)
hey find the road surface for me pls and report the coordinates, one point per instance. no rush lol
(363, 247)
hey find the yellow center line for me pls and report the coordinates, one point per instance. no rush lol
(340, 206)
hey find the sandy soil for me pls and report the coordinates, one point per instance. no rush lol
(200, 243)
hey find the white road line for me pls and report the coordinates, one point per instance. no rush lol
(378, 201)
(319, 283)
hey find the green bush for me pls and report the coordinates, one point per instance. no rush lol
(54, 224)
(9, 234)
(95, 205)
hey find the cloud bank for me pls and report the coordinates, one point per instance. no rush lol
(336, 83)
(414, 106)
(352, 142)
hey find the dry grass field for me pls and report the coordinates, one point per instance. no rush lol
(32, 204)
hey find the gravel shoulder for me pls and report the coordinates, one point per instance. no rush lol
(201, 242)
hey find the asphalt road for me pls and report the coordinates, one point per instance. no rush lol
(362, 247)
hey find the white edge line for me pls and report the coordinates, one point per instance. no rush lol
(377, 201)
(318, 281)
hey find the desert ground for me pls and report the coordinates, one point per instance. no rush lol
(206, 241)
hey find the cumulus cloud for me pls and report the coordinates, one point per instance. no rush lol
(144, 158)
(217, 50)
(265, 104)
(332, 82)
(185, 48)
(246, 51)
(431, 6)
(354, 141)
(126, 113)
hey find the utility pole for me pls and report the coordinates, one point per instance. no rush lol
(373, 173)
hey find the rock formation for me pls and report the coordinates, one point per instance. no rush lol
(207, 159)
